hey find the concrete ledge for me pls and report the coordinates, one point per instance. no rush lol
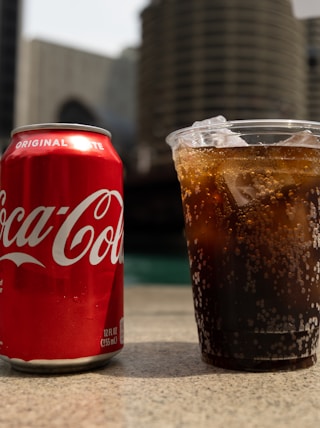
(159, 380)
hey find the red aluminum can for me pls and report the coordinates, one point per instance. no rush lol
(61, 249)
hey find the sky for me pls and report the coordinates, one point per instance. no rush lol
(306, 8)
(101, 26)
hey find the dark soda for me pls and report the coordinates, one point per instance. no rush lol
(253, 236)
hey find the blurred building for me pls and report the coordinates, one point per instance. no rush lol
(198, 58)
(9, 32)
(61, 84)
(201, 58)
(313, 49)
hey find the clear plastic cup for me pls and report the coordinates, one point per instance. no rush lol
(251, 200)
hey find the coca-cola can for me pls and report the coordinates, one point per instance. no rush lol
(61, 249)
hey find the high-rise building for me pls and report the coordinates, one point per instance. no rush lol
(9, 31)
(201, 58)
(313, 49)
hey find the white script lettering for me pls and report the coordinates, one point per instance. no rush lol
(24, 230)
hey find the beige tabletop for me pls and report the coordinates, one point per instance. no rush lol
(159, 380)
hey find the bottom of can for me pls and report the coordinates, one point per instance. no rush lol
(60, 366)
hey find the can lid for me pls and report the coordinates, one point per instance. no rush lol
(57, 126)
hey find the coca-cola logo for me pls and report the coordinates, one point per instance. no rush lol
(26, 231)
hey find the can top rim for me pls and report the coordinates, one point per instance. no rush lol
(62, 126)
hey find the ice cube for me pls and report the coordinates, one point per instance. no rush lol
(205, 133)
(262, 187)
(241, 187)
(207, 122)
(225, 138)
(301, 139)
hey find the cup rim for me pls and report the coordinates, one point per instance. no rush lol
(292, 125)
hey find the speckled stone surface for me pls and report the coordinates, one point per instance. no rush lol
(159, 380)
